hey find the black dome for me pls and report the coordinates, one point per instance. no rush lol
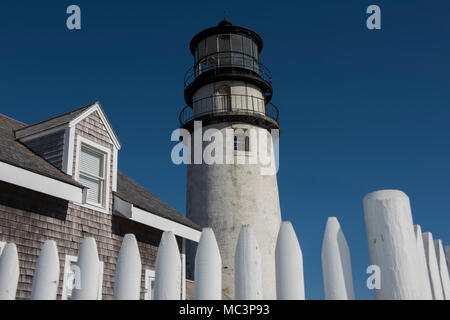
(225, 22)
(225, 26)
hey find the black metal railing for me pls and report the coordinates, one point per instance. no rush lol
(229, 103)
(228, 59)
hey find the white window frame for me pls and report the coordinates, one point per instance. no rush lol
(100, 280)
(100, 178)
(244, 132)
(149, 278)
(246, 142)
(73, 259)
(68, 261)
(107, 152)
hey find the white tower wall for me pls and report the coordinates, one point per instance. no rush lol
(227, 196)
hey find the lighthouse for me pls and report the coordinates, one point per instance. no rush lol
(229, 90)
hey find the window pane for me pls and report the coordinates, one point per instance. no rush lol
(94, 191)
(236, 42)
(70, 281)
(211, 45)
(255, 51)
(240, 142)
(224, 42)
(91, 162)
(149, 284)
(247, 46)
(201, 49)
(152, 289)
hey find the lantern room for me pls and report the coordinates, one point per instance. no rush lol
(227, 81)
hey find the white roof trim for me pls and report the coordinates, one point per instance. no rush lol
(33, 181)
(127, 210)
(114, 175)
(91, 109)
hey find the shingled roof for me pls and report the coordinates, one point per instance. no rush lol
(132, 192)
(50, 123)
(15, 153)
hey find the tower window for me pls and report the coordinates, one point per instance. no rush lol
(224, 90)
(223, 98)
(241, 142)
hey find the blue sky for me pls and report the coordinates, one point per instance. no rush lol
(360, 110)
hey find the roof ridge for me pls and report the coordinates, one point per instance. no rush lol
(9, 118)
(57, 116)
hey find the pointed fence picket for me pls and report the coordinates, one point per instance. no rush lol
(45, 281)
(247, 266)
(208, 268)
(168, 269)
(289, 265)
(336, 265)
(127, 284)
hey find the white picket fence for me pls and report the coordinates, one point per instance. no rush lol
(411, 264)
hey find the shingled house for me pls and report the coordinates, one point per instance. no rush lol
(59, 180)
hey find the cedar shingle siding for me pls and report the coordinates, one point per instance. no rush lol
(49, 147)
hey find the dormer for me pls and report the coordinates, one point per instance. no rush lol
(83, 145)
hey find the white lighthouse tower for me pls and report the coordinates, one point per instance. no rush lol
(230, 90)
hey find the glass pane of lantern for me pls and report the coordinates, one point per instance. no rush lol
(255, 51)
(211, 45)
(247, 46)
(236, 42)
(224, 42)
(201, 49)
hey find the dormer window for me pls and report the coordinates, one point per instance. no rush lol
(92, 174)
(93, 170)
